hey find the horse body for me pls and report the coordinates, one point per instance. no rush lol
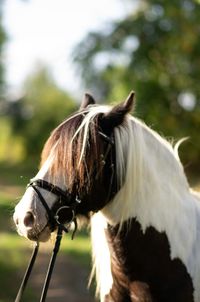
(145, 220)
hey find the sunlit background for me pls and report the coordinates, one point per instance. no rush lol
(52, 51)
(46, 31)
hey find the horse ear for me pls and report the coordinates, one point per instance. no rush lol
(116, 115)
(87, 100)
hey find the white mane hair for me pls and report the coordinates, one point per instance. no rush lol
(154, 191)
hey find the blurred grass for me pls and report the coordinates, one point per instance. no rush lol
(79, 248)
(14, 254)
(15, 251)
(17, 175)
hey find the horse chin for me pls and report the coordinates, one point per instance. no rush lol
(42, 236)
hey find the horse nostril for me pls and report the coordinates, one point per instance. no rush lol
(28, 219)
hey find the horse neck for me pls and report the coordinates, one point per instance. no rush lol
(155, 190)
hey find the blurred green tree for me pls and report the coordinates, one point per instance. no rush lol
(155, 51)
(2, 43)
(42, 108)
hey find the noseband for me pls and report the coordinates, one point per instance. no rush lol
(60, 216)
(64, 208)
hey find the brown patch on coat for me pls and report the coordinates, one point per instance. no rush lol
(145, 258)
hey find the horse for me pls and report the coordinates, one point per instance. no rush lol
(130, 185)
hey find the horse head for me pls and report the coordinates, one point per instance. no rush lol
(77, 174)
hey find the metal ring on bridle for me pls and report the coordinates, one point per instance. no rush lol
(66, 221)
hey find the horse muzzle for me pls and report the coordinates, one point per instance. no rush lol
(28, 226)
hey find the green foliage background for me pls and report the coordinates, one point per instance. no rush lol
(2, 43)
(28, 121)
(43, 107)
(154, 50)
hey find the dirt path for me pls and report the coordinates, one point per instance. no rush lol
(68, 283)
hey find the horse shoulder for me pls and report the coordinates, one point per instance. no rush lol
(142, 266)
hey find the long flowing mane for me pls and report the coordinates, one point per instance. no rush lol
(151, 169)
(155, 190)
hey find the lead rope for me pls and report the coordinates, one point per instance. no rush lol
(27, 273)
(52, 263)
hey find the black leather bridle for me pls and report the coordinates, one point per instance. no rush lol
(60, 216)
(63, 210)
